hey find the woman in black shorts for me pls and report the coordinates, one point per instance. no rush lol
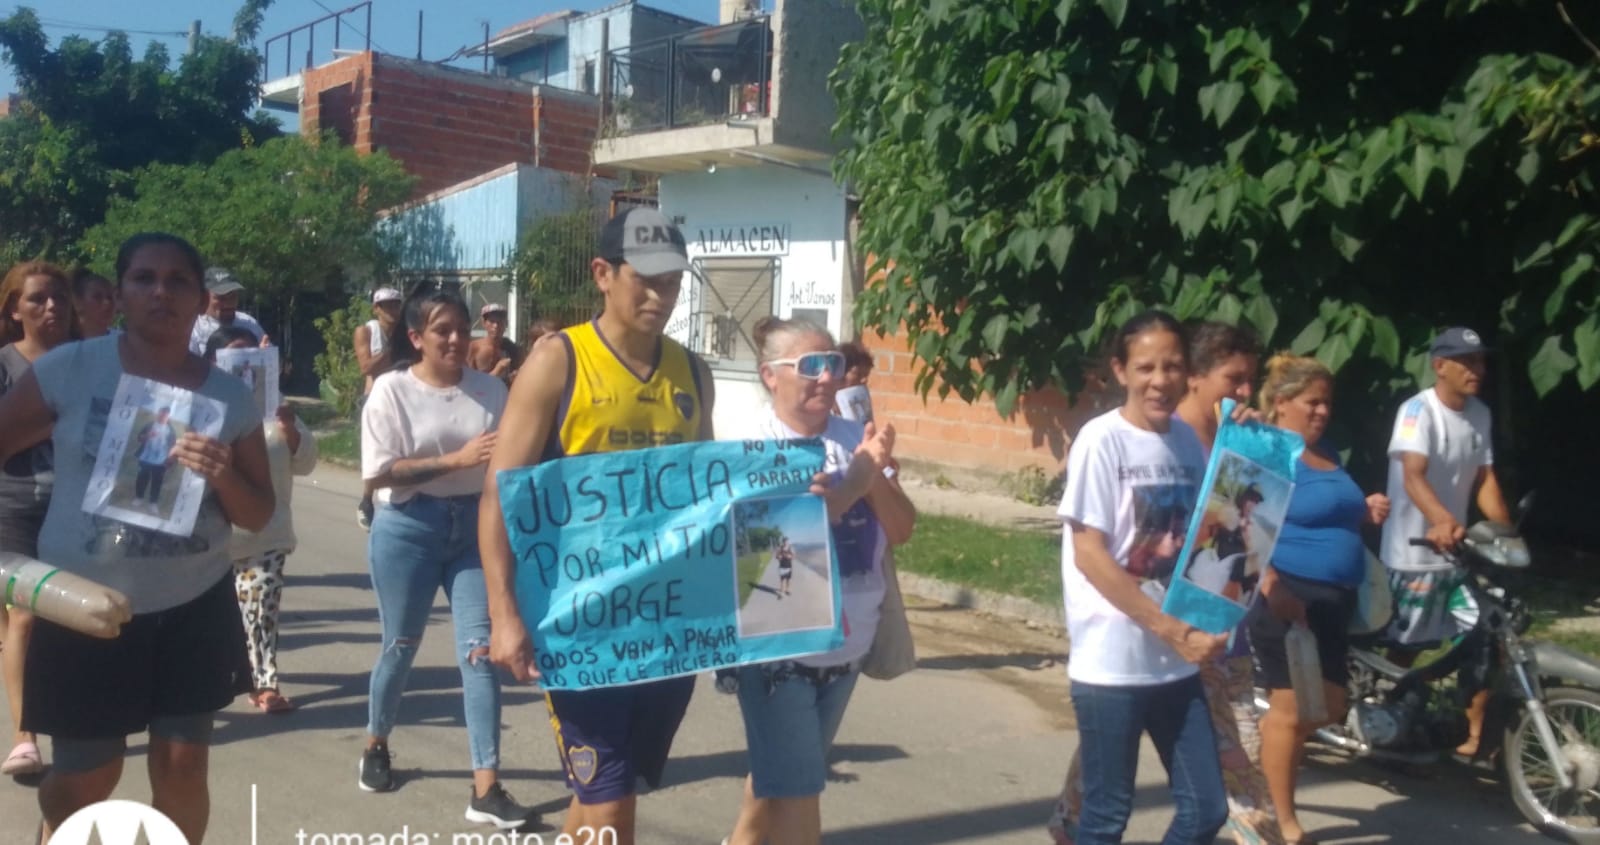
(1316, 567)
(182, 657)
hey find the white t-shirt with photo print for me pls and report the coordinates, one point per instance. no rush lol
(1457, 446)
(1139, 488)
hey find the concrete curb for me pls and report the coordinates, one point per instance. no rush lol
(1030, 613)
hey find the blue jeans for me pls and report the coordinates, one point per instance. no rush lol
(1111, 721)
(416, 547)
(789, 723)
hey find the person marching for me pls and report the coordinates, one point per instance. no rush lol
(494, 353)
(1134, 668)
(371, 342)
(95, 301)
(1441, 462)
(426, 431)
(222, 309)
(259, 556)
(182, 657)
(610, 385)
(1317, 566)
(792, 709)
(1223, 360)
(36, 315)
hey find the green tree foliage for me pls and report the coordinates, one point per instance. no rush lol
(1346, 177)
(552, 265)
(289, 215)
(95, 114)
(336, 365)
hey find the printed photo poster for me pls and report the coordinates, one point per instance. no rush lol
(655, 563)
(854, 403)
(1235, 523)
(135, 478)
(258, 369)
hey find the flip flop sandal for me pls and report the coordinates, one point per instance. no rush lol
(23, 760)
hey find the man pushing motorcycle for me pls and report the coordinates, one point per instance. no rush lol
(1440, 462)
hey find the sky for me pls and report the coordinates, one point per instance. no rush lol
(446, 24)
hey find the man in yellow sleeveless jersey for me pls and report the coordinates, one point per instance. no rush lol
(610, 385)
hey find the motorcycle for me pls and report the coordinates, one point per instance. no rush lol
(1543, 719)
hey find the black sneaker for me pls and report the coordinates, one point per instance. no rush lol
(497, 808)
(375, 774)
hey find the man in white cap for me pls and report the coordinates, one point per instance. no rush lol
(223, 310)
(494, 353)
(372, 354)
(1441, 462)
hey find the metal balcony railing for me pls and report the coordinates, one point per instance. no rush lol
(284, 43)
(701, 76)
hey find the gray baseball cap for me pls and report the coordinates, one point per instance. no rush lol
(221, 281)
(645, 239)
(1455, 342)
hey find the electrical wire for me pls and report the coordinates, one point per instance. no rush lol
(339, 19)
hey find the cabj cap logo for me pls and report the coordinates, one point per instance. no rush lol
(118, 823)
(645, 239)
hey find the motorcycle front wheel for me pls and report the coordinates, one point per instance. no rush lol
(1568, 815)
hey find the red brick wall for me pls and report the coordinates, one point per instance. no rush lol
(446, 126)
(9, 103)
(972, 436)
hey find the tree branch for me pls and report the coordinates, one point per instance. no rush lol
(1561, 9)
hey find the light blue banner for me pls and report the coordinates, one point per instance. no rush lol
(642, 565)
(1235, 526)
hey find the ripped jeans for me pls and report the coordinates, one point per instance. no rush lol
(416, 547)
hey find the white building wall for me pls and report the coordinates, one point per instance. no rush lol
(797, 216)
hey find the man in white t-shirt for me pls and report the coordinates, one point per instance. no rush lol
(371, 342)
(1441, 461)
(223, 310)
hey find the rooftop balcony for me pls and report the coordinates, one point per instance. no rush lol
(740, 93)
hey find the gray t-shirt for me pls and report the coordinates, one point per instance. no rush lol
(156, 571)
(25, 480)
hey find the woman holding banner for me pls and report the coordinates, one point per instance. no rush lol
(1134, 668)
(1317, 566)
(427, 431)
(792, 709)
(1223, 361)
(181, 657)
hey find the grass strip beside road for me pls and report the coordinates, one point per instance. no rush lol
(1000, 560)
(340, 443)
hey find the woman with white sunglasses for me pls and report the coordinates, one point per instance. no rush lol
(792, 708)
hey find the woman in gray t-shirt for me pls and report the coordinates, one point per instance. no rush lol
(182, 657)
(35, 317)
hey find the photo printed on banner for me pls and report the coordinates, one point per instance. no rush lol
(136, 480)
(1243, 514)
(782, 565)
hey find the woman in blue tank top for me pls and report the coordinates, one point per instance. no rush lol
(1317, 565)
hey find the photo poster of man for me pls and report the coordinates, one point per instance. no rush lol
(135, 479)
(854, 403)
(258, 369)
(675, 560)
(1235, 523)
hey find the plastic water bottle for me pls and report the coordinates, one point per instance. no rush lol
(1305, 674)
(61, 597)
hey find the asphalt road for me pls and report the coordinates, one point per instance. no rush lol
(971, 748)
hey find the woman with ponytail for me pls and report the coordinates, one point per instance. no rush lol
(1317, 566)
(428, 428)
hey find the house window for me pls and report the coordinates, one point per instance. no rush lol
(734, 293)
(588, 76)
